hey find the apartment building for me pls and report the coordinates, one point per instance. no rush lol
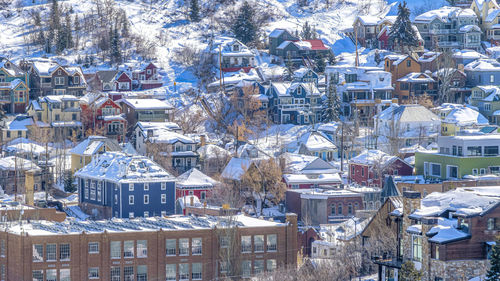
(173, 248)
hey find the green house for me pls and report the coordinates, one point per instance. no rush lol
(14, 92)
(459, 156)
(487, 101)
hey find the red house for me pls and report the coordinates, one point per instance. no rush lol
(194, 182)
(302, 181)
(370, 167)
(123, 82)
(109, 80)
(147, 78)
(102, 115)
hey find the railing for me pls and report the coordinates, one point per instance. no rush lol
(294, 106)
(442, 31)
(46, 85)
(155, 81)
(5, 84)
(449, 44)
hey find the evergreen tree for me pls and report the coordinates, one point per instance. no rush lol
(402, 33)
(116, 55)
(331, 104)
(289, 68)
(377, 57)
(61, 40)
(244, 28)
(194, 11)
(55, 21)
(320, 64)
(408, 272)
(47, 46)
(306, 33)
(332, 60)
(494, 271)
(69, 185)
(76, 27)
(125, 27)
(68, 32)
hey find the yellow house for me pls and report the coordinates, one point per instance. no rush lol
(82, 153)
(488, 13)
(457, 117)
(61, 113)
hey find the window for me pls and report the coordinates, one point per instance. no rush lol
(332, 210)
(473, 151)
(51, 252)
(184, 271)
(258, 266)
(146, 186)
(171, 272)
(474, 172)
(196, 271)
(93, 272)
(142, 248)
(452, 172)
(51, 275)
(339, 209)
(184, 247)
(37, 275)
(487, 107)
(128, 273)
(171, 247)
(460, 151)
(435, 169)
(164, 198)
(258, 243)
(131, 215)
(128, 249)
(196, 246)
(131, 199)
(115, 274)
(490, 150)
(482, 171)
(146, 199)
(142, 273)
(73, 116)
(59, 81)
(417, 248)
(203, 195)
(246, 244)
(99, 192)
(64, 252)
(408, 63)
(130, 187)
(349, 209)
(116, 249)
(76, 80)
(37, 252)
(350, 78)
(224, 242)
(271, 265)
(65, 274)
(163, 186)
(492, 78)
(493, 224)
(246, 267)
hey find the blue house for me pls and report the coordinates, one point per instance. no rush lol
(483, 72)
(116, 184)
(305, 75)
(294, 103)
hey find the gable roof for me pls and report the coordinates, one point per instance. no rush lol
(235, 169)
(315, 141)
(92, 144)
(195, 178)
(106, 76)
(143, 104)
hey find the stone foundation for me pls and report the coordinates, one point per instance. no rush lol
(461, 270)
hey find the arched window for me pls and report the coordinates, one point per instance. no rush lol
(349, 209)
(332, 210)
(339, 210)
(356, 206)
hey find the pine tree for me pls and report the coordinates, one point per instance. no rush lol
(408, 272)
(332, 60)
(289, 68)
(402, 33)
(77, 29)
(331, 104)
(306, 33)
(494, 271)
(69, 185)
(244, 28)
(68, 31)
(61, 40)
(320, 64)
(194, 11)
(125, 27)
(47, 46)
(377, 57)
(55, 21)
(116, 55)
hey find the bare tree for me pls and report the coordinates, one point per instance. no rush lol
(446, 70)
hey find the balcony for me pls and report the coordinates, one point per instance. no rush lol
(293, 107)
(5, 85)
(441, 31)
(152, 81)
(46, 85)
(445, 44)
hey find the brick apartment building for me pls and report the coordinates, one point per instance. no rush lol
(173, 248)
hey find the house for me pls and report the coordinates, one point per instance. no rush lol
(294, 163)
(47, 77)
(144, 129)
(316, 144)
(296, 103)
(487, 101)
(193, 182)
(414, 85)
(146, 110)
(447, 236)
(235, 169)
(213, 158)
(232, 55)
(14, 87)
(118, 185)
(169, 148)
(13, 173)
(110, 80)
(406, 125)
(366, 28)
(430, 61)
(317, 206)
(473, 154)
(60, 112)
(304, 181)
(370, 167)
(383, 39)
(278, 36)
(363, 91)
(483, 72)
(464, 57)
(101, 113)
(488, 11)
(449, 28)
(306, 75)
(18, 128)
(147, 78)
(457, 117)
(82, 153)
(457, 80)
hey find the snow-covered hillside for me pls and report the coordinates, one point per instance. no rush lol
(163, 22)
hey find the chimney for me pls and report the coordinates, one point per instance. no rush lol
(203, 140)
(150, 133)
(191, 200)
(461, 67)
(291, 239)
(29, 186)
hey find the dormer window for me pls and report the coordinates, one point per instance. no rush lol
(236, 48)
(76, 80)
(59, 72)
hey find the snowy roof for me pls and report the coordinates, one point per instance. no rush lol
(144, 126)
(468, 54)
(313, 44)
(375, 20)
(315, 141)
(170, 137)
(225, 45)
(92, 144)
(470, 201)
(483, 65)
(91, 97)
(331, 127)
(407, 113)
(212, 151)
(194, 178)
(26, 148)
(429, 56)
(318, 193)
(106, 76)
(306, 164)
(235, 169)
(316, 179)
(371, 157)
(144, 104)
(277, 33)
(10, 68)
(13, 163)
(59, 98)
(417, 77)
(469, 28)
(444, 14)
(20, 123)
(122, 168)
(151, 224)
(461, 115)
(45, 67)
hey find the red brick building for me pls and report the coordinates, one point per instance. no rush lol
(174, 248)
